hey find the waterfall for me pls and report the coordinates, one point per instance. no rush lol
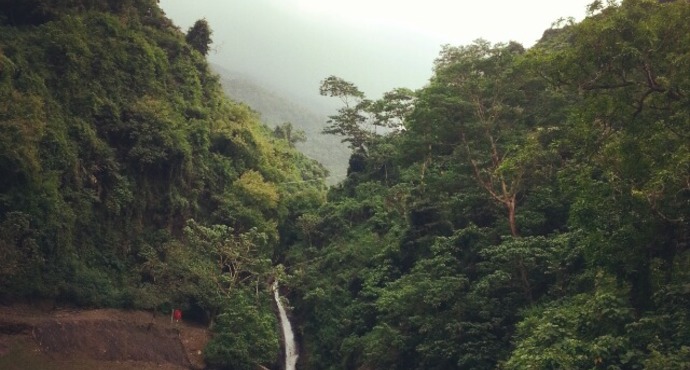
(288, 336)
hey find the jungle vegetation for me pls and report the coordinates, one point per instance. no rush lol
(526, 209)
(129, 180)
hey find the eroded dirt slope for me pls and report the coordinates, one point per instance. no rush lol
(32, 338)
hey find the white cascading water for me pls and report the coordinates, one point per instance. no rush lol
(291, 354)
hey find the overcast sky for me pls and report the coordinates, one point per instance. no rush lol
(376, 44)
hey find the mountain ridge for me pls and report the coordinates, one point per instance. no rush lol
(275, 108)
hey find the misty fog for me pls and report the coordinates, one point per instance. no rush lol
(291, 45)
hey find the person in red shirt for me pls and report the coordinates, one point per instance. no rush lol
(176, 315)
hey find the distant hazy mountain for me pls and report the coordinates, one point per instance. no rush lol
(276, 108)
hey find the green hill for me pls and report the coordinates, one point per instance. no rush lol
(128, 179)
(526, 209)
(533, 214)
(276, 109)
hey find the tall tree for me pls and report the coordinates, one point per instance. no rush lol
(287, 132)
(199, 36)
(361, 120)
(479, 92)
(352, 119)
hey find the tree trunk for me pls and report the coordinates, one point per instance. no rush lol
(510, 204)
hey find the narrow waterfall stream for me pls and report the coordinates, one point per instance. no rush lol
(291, 354)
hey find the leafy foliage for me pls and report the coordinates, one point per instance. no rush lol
(532, 214)
(288, 133)
(244, 335)
(129, 180)
(199, 36)
(525, 209)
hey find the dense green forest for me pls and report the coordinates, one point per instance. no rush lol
(127, 179)
(528, 209)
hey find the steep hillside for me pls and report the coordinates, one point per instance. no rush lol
(127, 179)
(276, 109)
(106, 339)
(534, 213)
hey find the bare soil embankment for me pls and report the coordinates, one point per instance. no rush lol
(104, 339)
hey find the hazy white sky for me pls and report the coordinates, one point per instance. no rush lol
(445, 20)
(376, 44)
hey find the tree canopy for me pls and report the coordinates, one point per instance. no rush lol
(533, 213)
(199, 36)
(526, 209)
(128, 179)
